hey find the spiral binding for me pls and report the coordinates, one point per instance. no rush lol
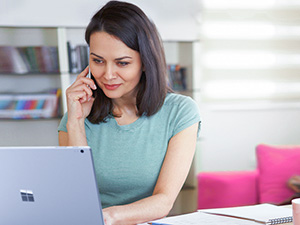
(280, 220)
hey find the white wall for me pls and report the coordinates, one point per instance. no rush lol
(175, 20)
(230, 133)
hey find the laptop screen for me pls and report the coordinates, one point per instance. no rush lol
(48, 185)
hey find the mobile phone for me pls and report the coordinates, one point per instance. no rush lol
(89, 74)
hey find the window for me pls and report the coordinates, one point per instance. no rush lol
(250, 50)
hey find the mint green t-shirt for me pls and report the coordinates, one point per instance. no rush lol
(128, 158)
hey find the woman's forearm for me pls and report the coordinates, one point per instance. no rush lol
(76, 133)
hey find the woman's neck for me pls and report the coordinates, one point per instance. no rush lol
(125, 111)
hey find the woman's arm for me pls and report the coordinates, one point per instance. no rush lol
(79, 103)
(63, 138)
(77, 139)
(75, 136)
(173, 173)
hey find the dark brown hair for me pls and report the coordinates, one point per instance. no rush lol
(129, 23)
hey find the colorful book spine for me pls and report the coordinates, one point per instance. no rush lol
(40, 105)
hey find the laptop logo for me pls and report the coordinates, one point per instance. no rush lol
(27, 195)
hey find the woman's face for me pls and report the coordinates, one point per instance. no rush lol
(116, 68)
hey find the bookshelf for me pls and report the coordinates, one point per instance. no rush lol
(31, 80)
(184, 55)
(34, 74)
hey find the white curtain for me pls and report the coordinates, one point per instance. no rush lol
(250, 50)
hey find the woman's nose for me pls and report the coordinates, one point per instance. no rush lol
(110, 72)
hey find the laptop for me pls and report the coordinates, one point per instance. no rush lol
(48, 185)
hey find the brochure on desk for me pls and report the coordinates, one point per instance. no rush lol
(244, 215)
(199, 218)
(263, 213)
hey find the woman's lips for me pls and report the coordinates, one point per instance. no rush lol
(111, 86)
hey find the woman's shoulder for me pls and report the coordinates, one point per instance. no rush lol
(180, 104)
(182, 111)
(178, 99)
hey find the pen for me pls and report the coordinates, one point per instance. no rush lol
(160, 223)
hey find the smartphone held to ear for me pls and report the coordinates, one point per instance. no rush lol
(89, 74)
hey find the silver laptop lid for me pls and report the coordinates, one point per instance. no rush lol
(48, 185)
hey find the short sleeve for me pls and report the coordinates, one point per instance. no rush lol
(63, 123)
(187, 115)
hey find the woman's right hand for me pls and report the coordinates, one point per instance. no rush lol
(79, 96)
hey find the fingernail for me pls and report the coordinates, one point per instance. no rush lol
(95, 87)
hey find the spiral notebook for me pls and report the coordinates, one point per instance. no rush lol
(262, 213)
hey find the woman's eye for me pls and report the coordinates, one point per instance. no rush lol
(123, 63)
(98, 60)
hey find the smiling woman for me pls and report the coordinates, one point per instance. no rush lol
(140, 36)
(116, 68)
(143, 136)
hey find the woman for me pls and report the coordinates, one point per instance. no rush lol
(142, 136)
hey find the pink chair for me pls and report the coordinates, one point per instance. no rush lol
(275, 165)
(226, 189)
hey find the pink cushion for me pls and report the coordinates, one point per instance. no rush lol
(226, 189)
(276, 164)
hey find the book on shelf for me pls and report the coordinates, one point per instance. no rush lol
(29, 59)
(177, 77)
(262, 213)
(78, 57)
(12, 61)
(30, 106)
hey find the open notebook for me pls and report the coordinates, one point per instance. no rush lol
(262, 213)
